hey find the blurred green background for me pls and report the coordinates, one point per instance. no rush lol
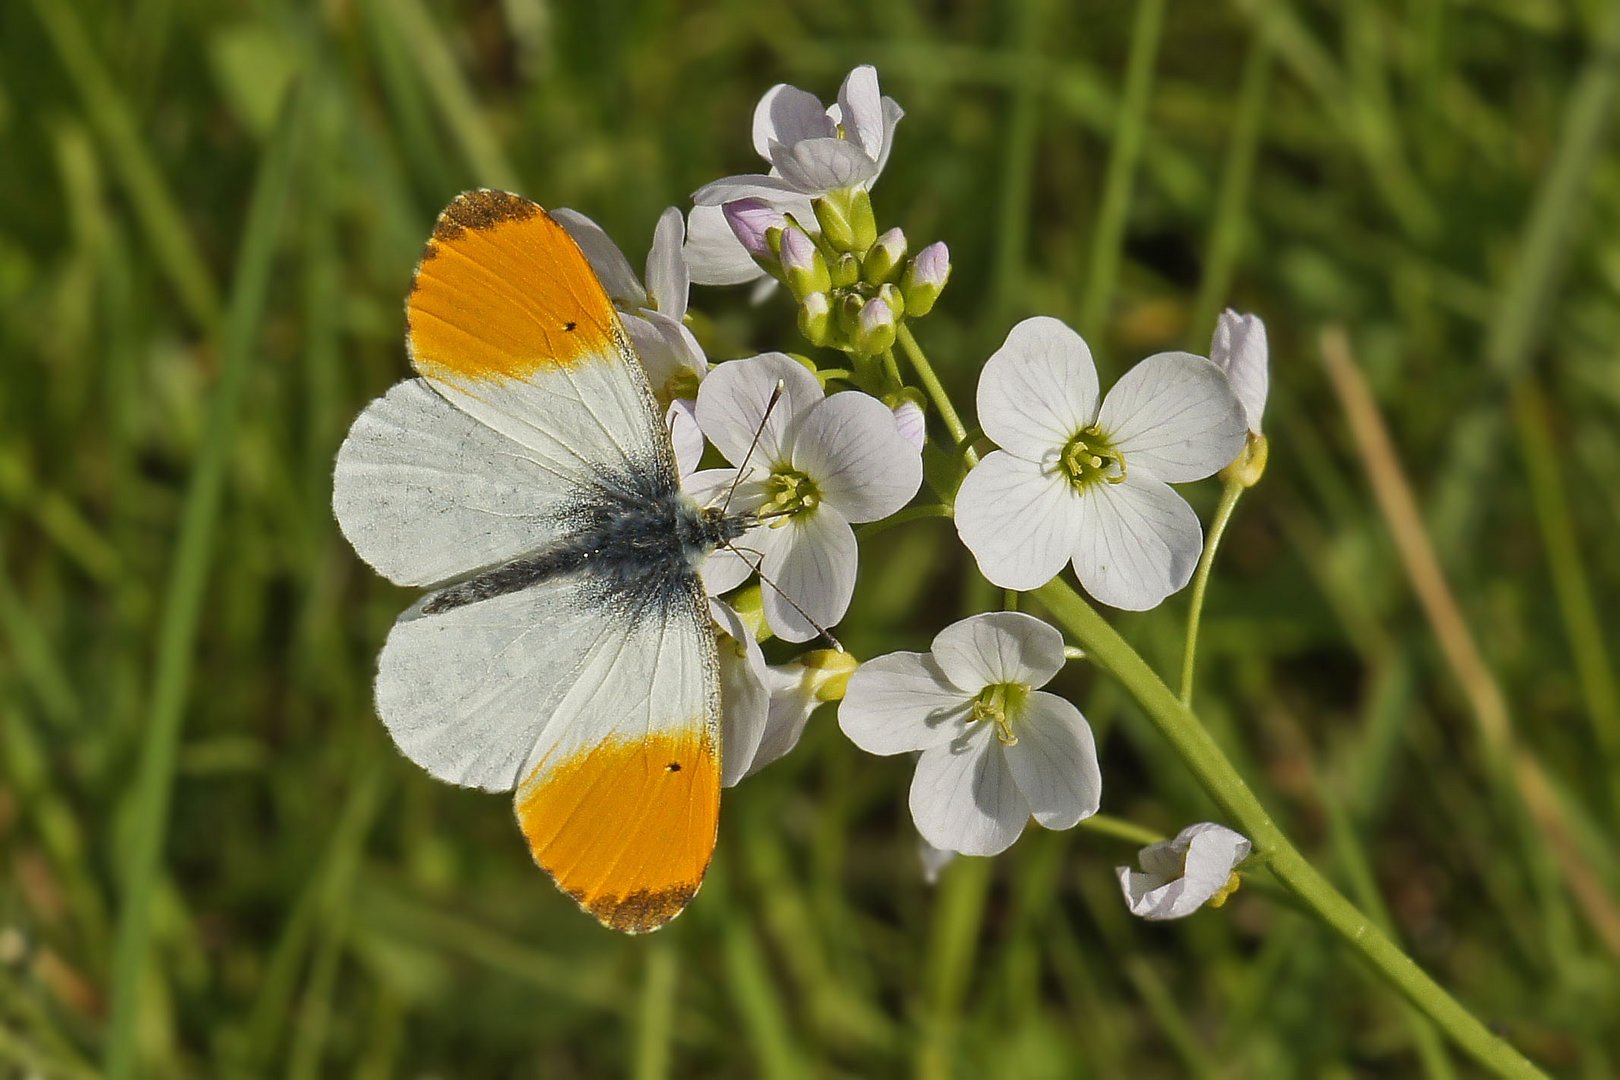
(200, 286)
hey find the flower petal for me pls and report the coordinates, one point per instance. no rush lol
(998, 647)
(685, 435)
(1138, 542)
(667, 351)
(668, 280)
(964, 798)
(817, 166)
(912, 423)
(744, 697)
(713, 254)
(1021, 524)
(1239, 349)
(605, 258)
(892, 115)
(860, 110)
(1038, 390)
(1175, 416)
(902, 701)
(773, 189)
(1183, 874)
(810, 566)
(1055, 761)
(851, 447)
(787, 114)
(732, 402)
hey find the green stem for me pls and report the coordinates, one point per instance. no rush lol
(936, 392)
(1193, 744)
(1217, 529)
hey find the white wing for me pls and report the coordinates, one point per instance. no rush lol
(605, 721)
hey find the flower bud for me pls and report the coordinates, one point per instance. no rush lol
(815, 319)
(846, 271)
(751, 221)
(1250, 464)
(848, 314)
(862, 222)
(832, 214)
(925, 278)
(802, 264)
(883, 261)
(827, 672)
(890, 294)
(876, 329)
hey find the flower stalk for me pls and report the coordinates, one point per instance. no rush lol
(1180, 727)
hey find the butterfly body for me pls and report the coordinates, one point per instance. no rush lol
(563, 651)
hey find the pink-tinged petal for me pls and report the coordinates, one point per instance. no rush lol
(605, 258)
(860, 110)
(809, 572)
(744, 696)
(787, 114)
(1055, 761)
(998, 647)
(964, 797)
(849, 446)
(685, 435)
(1038, 390)
(733, 399)
(773, 189)
(912, 423)
(817, 166)
(668, 280)
(900, 702)
(751, 222)
(1239, 349)
(1175, 417)
(1138, 542)
(1022, 524)
(712, 252)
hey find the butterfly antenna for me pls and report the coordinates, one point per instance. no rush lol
(776, 396)
(759, 568)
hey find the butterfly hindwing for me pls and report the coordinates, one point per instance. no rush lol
(603, 717)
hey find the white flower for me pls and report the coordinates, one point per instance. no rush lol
(815, 149)
(1180, 876)
(1239, 349)
(819, 463)
(654, 314)
(913, 424)
(1075, 480)
(765, 707)
(995, 750)
(744, 694)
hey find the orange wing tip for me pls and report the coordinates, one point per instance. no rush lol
(502, 291)
(641, 912)
(627, 828)
(482, 209)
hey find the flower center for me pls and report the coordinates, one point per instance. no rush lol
(1000, 703)
(1089, 457)
(789, 493)
(682, 384)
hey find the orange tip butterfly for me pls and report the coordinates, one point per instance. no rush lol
(564, 651)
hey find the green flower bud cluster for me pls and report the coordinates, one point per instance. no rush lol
(853, 285)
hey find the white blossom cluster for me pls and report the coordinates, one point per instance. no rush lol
(1076, 478)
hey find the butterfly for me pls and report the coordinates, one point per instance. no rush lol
(564, 649)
